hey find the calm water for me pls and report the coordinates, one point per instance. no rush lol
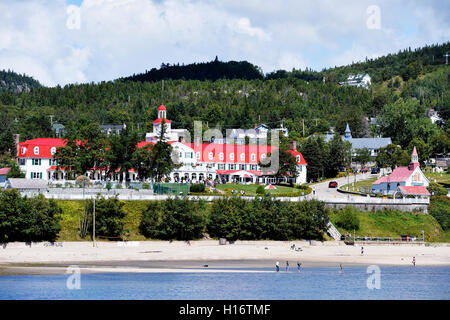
(313, 283)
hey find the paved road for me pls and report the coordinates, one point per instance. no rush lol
(322, 189)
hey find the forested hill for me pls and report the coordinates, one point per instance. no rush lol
(11, 81)
(212, 71)
(407, 63)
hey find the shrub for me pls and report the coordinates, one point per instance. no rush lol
(28, 219)
(347, 218)
(146, 186)
(341, 174)
(197, 188)
(118, 186)
(439, 208)
(108, 186)
(265, 218)
(109, 217)
(437, 189)
(260, 190)
(179, 219)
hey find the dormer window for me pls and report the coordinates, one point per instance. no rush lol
(53, 150)
(253, 157)
(263, 156)
(210, 156)
(232, 156)
(221, 156)
(298, 159)
(242, 156)
(24, 150)
(198, 155)
(36, 150)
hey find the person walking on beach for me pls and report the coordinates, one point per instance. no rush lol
(287, 266)
(277, 266)
(414, 261)
(342, 269)
(298, 266)
(362, 251)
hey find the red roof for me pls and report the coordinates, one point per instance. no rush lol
(295, 153)
(231, 153)
(161, 108)
(414, 153)
(45, 145)
(400, 174)
(159, 120)
(414, 190)
(4, 171)
(143, 144)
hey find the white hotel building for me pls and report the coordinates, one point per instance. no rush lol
(200, 161)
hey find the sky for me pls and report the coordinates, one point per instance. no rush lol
(75, 41)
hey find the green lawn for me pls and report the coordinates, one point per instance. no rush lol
(71, 209)
(396, 223)
(443, 178)
(250, 189)
(358, 184)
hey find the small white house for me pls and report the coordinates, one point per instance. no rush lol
(408, 180)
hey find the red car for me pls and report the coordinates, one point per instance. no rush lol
(332, 184)
(364, 170)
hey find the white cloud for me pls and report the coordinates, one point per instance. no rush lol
(121, 37)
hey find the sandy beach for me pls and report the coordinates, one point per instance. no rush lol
(208, 256)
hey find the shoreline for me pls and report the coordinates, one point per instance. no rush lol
(178, 256)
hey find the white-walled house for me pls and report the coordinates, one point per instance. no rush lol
(35, 157)
(408, 180)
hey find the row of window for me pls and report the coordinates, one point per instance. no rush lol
(36, 175)
(38, 162)
(190, 155)
(223, 166)
(36, 150)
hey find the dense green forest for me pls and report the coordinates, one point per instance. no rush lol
(298, 102)
(11, 81)
(212, 71)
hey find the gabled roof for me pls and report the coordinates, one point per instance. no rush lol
(45, 146)
(400, 174)
(295, 153)
(162, 108)
(414, 190)
(21, 183)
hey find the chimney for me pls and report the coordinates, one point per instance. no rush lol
(293, 145)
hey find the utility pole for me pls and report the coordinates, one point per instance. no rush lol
(93, 229)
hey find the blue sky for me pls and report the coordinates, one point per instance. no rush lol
(70, 41)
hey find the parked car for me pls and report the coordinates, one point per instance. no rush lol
(364, 170)
(375, 170)
(332, 184)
